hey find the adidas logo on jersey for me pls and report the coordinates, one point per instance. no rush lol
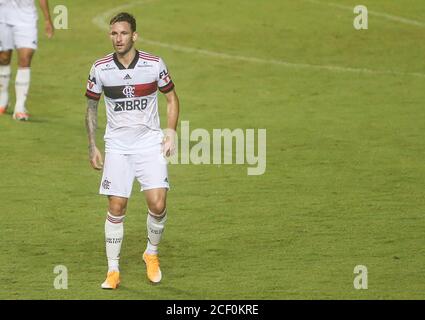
(127, 77)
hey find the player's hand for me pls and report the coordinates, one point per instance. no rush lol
(95, 156)
(168, 146)
(50, 30)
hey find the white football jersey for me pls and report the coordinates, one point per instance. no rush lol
(18, 12)
(131, 100)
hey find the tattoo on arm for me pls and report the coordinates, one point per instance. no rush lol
(91, 122)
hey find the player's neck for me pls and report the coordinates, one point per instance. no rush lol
(126, 58)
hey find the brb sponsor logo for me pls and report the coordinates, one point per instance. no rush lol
(131, 105)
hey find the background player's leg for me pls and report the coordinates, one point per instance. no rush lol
(114, 230)
(22, 82)
(157, 216)
(5, 71)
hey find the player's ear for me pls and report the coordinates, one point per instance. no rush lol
(135, 36)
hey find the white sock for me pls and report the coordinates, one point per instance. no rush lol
(5, 72)
(114, 233)
(155, 225)
(22, 85)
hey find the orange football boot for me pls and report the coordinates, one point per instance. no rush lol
(112, 280)
(152, 267)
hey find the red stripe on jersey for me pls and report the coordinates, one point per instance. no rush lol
(148, 55)
(103, 62)
(92, 95)
(148, 58)
(167, 88)
(145, 89)
(105, 58)
(100, 61)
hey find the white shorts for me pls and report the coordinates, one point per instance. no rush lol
(120, 170)
(17, 37)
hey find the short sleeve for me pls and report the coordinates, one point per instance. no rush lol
(94, 87)
(165, 84)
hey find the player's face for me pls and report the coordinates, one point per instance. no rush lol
(122, 37)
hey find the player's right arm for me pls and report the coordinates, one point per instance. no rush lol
(93, 93)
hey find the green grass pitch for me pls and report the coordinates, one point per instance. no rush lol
(345, 178)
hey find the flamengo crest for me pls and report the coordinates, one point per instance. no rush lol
(128, 91)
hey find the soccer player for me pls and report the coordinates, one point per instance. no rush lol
(135, 146)
(18, 30)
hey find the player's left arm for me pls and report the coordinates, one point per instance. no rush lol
(50, 30)
(173, 109)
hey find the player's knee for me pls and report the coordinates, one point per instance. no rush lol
(24, 62)
(4, 59)
(157, 207)
(156, 202)
(117, 208)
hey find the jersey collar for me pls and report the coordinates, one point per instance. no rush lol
(132, 64)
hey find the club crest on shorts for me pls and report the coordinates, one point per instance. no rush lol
(106, 184)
